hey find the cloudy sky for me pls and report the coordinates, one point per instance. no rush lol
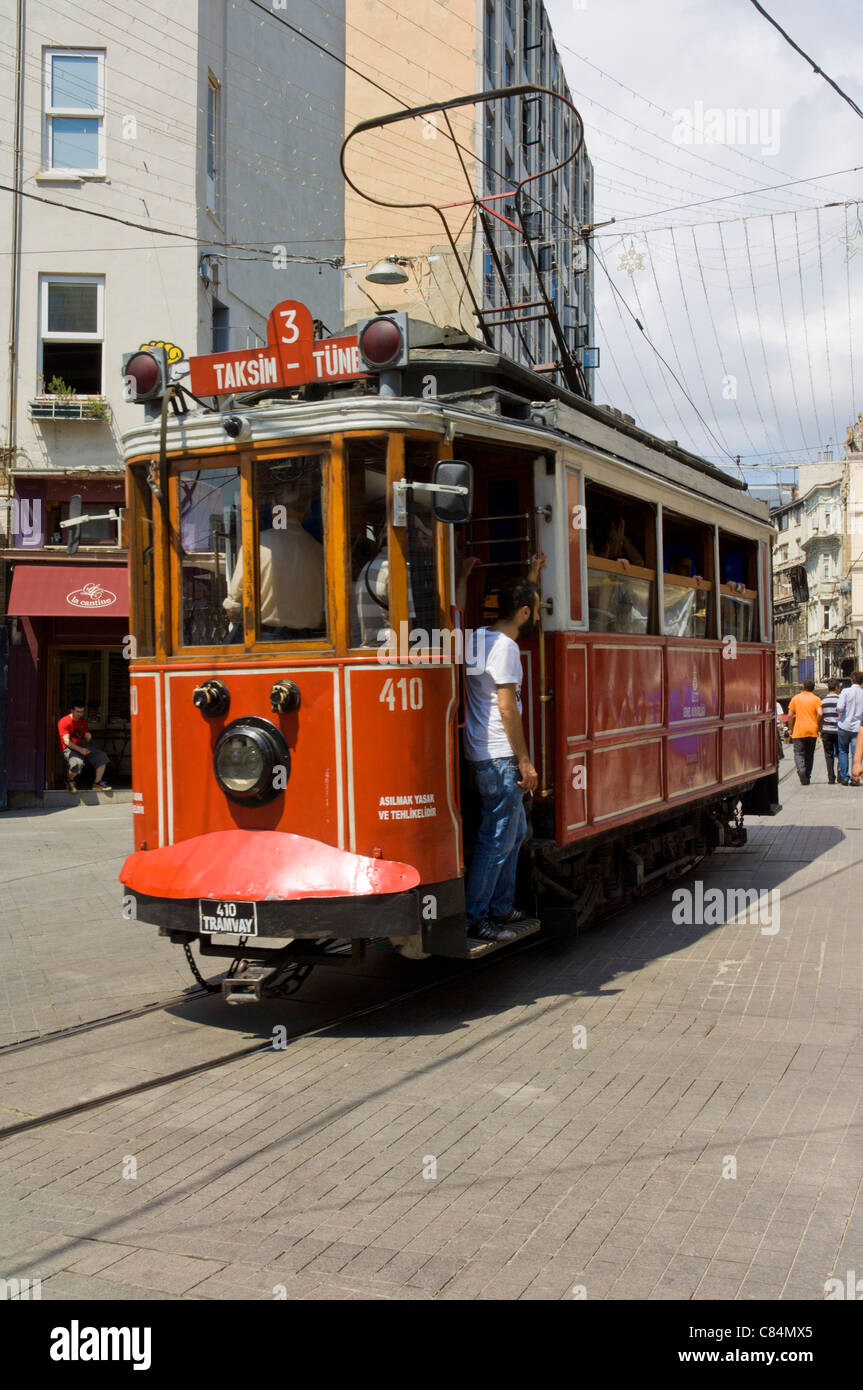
(760, 317)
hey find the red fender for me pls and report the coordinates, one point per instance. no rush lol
(261, 866)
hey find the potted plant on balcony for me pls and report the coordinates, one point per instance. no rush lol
(58, 401)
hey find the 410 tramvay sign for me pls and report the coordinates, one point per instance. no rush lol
(293, 356)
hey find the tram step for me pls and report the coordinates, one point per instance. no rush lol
(477, 948)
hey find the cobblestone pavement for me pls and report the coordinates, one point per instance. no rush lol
(66, 955)
(704, 1142)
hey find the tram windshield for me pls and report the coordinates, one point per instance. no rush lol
(210, 529)
(290, 527)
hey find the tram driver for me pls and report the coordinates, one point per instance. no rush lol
(372, 585)
(291, 568)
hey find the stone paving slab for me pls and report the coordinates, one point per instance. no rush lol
(704, 1142)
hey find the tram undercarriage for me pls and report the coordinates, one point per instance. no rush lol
(566, 889)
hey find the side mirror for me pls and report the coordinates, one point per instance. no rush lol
(453, 507)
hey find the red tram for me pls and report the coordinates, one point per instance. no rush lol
(297, 771)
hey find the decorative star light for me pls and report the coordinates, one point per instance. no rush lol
(631, 260)
(854, 242)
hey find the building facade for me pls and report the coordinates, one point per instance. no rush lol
(818, 631)
(167, 200)
(482, 46)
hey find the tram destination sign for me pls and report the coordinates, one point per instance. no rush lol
(293, 356)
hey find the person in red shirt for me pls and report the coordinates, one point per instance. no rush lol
(76, 746)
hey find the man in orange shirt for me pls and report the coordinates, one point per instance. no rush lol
(804, 723)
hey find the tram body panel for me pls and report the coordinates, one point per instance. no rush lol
(371, 766)
(312, 802)
(638, 725)
(148, 758)
(401, 801)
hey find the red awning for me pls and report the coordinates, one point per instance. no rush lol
(63, 591)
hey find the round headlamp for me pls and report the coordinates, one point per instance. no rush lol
(246, 758)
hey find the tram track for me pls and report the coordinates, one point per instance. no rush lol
(125, 1015)
(237, 1054)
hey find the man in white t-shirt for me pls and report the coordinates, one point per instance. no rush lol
(495, 745)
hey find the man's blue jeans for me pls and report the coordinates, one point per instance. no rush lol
(491, 882)
(846, 753)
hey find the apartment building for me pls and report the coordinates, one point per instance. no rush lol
(165, 197)
(815, 634)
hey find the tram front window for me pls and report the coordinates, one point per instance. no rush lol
(290, 527)
(210, 531)
(367, 509)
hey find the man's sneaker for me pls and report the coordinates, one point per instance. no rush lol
(102, 787)
(487, 931)
(512, 918)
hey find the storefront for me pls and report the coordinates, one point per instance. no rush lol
(68, 643)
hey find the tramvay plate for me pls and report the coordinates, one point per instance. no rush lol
(221, 915)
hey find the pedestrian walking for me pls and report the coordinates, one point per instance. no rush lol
(850, 713)
(830, 727)
(804, 721)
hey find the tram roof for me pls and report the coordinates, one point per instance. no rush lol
(474, 379)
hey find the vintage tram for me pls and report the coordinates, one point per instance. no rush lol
(299, 787)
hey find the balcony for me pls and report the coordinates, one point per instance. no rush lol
(69, 408)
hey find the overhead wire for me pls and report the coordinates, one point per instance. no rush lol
(815, 68)
(762, 340)
(806, 339)
(826, 334)
(743, 351)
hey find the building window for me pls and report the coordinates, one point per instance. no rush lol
(490, 45)
(826, 563)
(827, 518)
(526, 32)
(213, 143)
(101, 532)
(71, 316)
(74, 128)
(508, 81)
(490, 149)
(221, 327)
(826, 616)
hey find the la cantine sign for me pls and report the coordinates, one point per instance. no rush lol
(293, 357)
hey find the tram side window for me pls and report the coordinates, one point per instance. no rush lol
(290, 593)
(210, 530)
(687, 559)
(738, 588)
(369, 563)
(144, 615)
(621, 562)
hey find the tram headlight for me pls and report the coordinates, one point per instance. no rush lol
(251, 760)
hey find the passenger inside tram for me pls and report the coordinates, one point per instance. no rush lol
(291, 560)
(619, 584)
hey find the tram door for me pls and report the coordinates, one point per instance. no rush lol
(501, 537)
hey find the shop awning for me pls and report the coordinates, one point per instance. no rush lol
(63, 591)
